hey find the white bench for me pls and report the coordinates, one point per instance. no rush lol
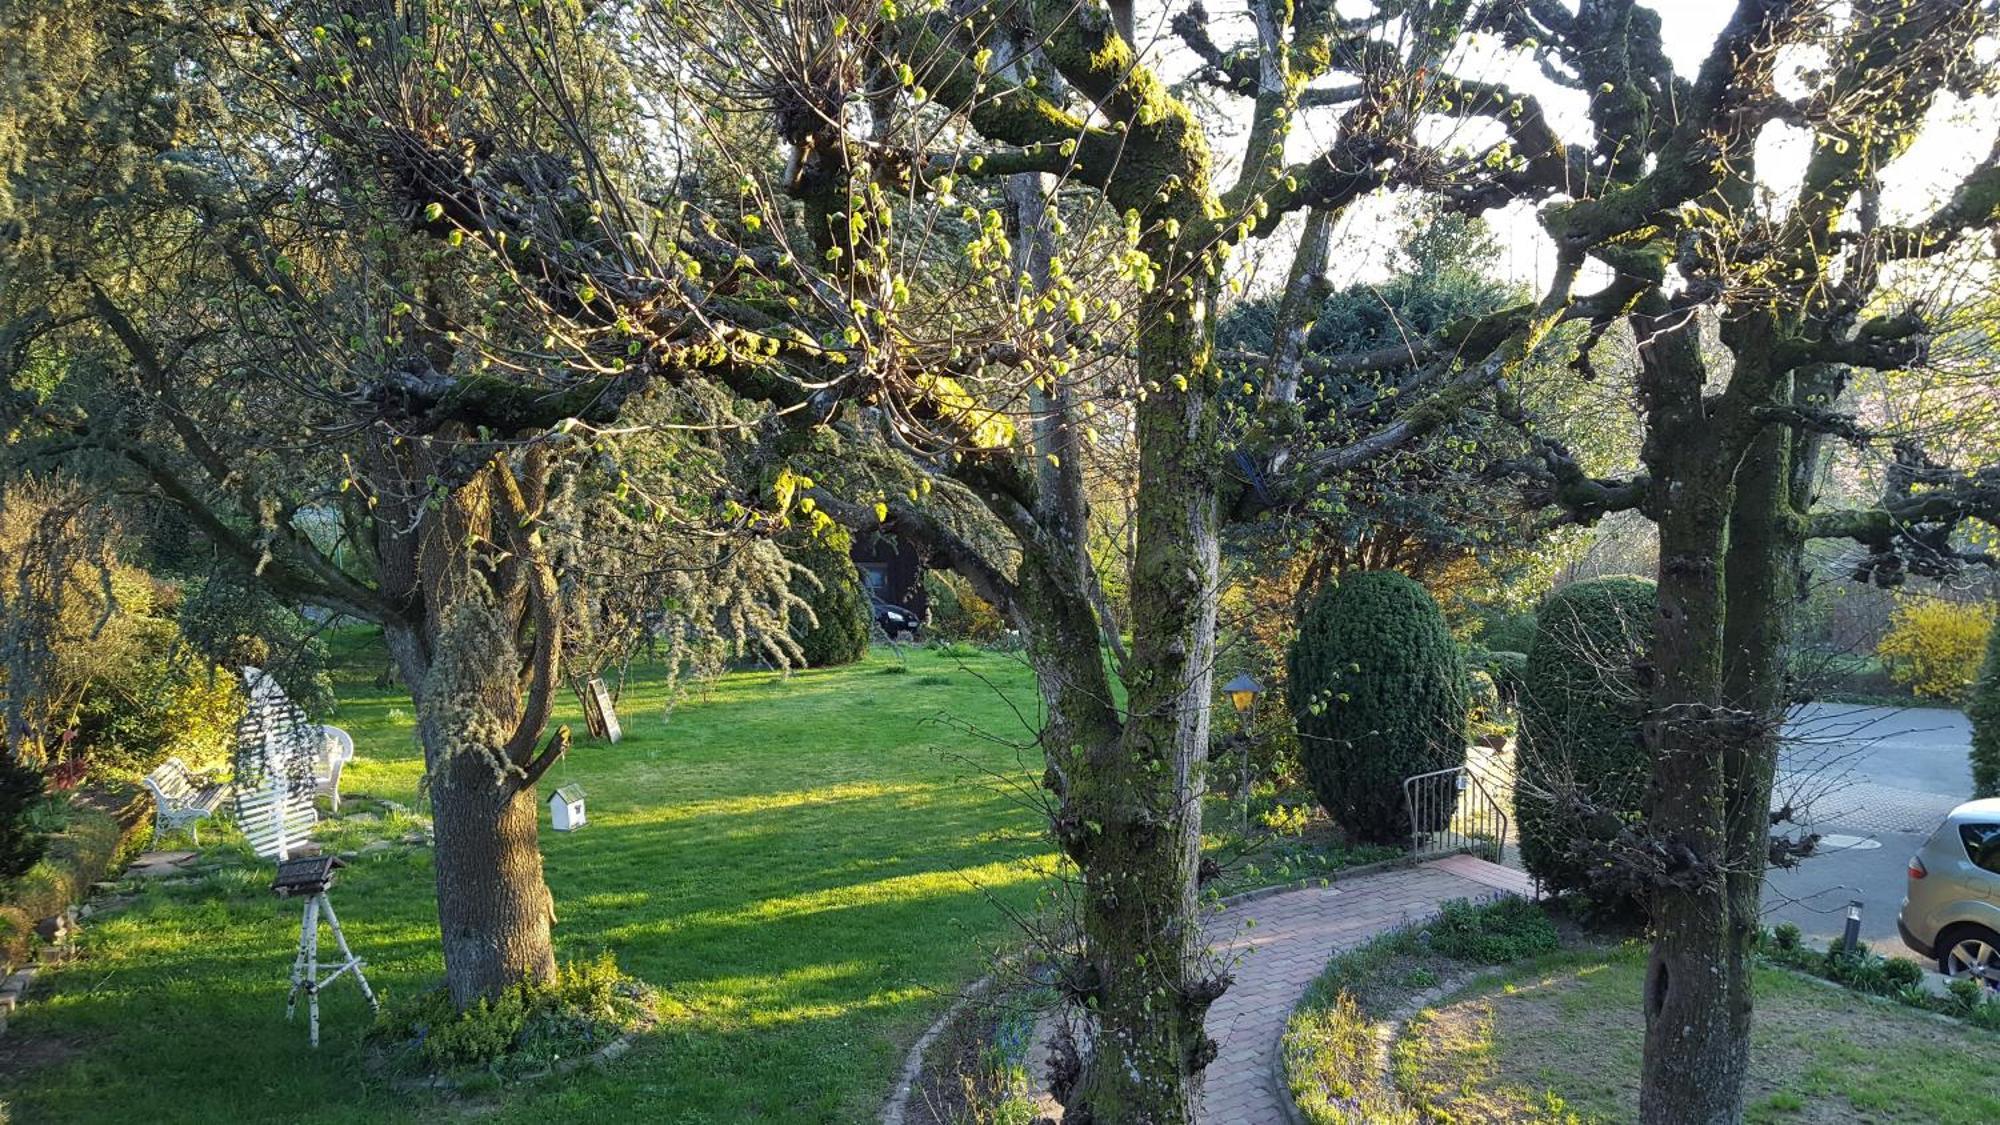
(182, 798)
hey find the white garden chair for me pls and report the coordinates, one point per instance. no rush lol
(337, 750)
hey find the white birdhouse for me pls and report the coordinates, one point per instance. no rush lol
(566, 808)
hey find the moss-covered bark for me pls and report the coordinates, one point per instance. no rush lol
(1690, 1070)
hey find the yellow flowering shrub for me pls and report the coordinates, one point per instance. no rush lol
(1934, 647)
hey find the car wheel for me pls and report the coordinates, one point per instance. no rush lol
(1970, 951)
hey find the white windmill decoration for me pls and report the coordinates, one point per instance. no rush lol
(277, 749)
(276, 743)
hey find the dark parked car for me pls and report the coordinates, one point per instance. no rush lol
(897, 623)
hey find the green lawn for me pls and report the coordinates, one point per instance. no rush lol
(1560, 1043)
(805, 867)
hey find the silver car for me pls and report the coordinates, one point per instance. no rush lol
(1952, 911)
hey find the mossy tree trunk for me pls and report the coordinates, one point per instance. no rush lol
(1137, 803)
(1691, 1072)
(466, 613)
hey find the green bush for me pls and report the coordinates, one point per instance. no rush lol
(585, 1006)
(1506, 668)
(21, 839)
(1581, 765)
(234, 623)
(1378, 690)
(158, 705)
(1984, 711)
(1510, 633)
(958, 613)
(1492, 933)
(838, 602)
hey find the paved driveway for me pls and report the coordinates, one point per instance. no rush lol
(1874, 781)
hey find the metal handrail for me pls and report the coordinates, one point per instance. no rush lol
(1451, 811)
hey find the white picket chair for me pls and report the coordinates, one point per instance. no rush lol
(337, 752)
(182, 798)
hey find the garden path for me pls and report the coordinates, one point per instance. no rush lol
(1281, 942)
(1278, 943)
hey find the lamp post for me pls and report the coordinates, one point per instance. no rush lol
(1243, 692)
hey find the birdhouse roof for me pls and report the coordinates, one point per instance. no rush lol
(569, 794)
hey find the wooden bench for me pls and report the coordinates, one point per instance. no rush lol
(182, 798)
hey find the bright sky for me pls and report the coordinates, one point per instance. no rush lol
(1959, 137)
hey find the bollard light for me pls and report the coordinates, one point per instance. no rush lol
(1852, 937)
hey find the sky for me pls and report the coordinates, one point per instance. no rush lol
(1957, 138)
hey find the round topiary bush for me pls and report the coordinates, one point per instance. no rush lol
(1984, 711)
(1581, 767)
(838, 602)
(1378, 689)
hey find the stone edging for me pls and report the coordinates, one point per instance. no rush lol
(895, 1111)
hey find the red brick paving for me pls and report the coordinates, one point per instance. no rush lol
(1284, 945)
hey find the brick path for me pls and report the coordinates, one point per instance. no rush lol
(1277, 957)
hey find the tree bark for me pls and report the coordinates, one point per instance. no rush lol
(1691, 1073)
(1759, 569)
(495, 912)
(1762, 571)
(1141, 797)
(454, 644)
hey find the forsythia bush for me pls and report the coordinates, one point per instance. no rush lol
(1934, 647)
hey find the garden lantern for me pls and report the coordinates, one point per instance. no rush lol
(566, 808)
(1243, 692)
(1852, 936)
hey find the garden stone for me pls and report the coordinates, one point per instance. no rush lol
(374, 847)
(152, 865)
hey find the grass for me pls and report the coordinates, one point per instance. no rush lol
(1333, 1064)
(806, 869)
(1558, 1041)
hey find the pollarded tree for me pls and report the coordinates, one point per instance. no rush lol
(976, 242)
(1378, 690)
(1796, 293)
